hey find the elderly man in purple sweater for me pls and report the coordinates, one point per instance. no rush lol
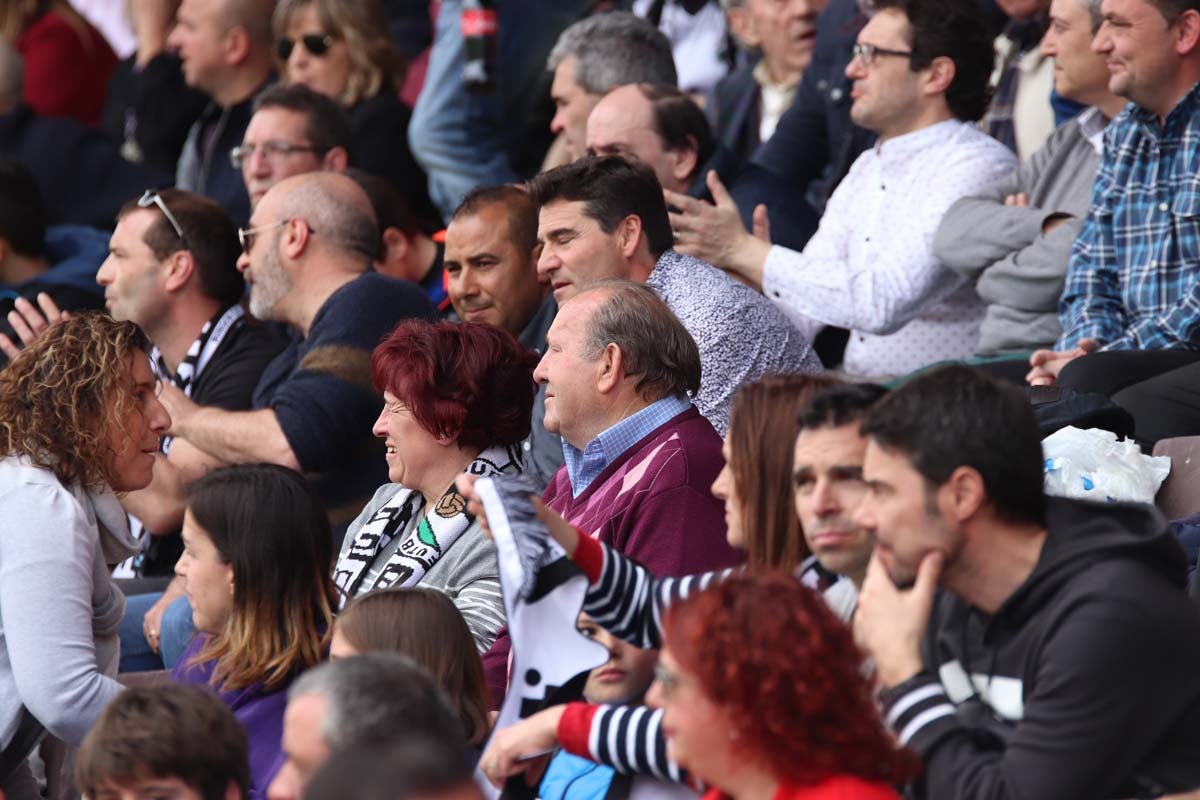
(640, 460)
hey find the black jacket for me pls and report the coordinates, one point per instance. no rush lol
(1082, 685)
(82, 177)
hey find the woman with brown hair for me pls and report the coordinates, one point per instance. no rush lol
(343, 50)
(67, 62)
(756, 483)
(424, 625)
(256, 566)
(79, 421)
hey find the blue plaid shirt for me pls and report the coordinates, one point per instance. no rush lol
(583, 466)
(1133, 278)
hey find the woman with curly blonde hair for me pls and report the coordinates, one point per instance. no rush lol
(343, 50)
(79, 421)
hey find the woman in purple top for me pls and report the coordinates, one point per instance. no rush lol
(256, 562)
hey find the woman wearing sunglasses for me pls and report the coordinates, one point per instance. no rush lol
(343, 50)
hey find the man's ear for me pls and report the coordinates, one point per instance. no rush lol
(684, 161)
(963, 494)
(1188, 38)
(232, 792)
(236, 46)
(395, 245)
(741, 25)
(610, 369)
(295, 238)
(336, 160)
(941, 75)
(178, 270)
(629, 235)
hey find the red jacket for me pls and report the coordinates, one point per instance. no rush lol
(67, 67)
(839, 787)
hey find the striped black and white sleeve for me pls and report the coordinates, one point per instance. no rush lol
(630, 740)
(628, 601)
(919, 712)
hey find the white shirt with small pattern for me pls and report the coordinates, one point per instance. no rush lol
(741, 335)
(870, 266)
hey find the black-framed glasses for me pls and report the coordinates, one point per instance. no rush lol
(316, 44)
(246, 236)
(153, 198)
(270, 149)
(868, 53)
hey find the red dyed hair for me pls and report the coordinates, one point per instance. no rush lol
(785, 669)
(463, 379)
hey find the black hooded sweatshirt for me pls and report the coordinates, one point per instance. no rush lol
(1085, 683)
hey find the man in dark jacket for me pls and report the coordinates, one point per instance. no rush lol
(225, 48)
(1059, 659)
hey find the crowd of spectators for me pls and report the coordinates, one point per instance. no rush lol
(759, 303)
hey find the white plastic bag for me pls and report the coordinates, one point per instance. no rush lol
(1092, 465)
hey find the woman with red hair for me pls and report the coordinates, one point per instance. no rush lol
(458, 398)
(764, 697)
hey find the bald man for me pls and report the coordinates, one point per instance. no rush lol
(225, 47)
(306, 256)
(664, 129)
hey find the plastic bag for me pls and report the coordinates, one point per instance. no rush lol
(1092, 465)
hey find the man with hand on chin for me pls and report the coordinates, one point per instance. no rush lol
(1059, 658)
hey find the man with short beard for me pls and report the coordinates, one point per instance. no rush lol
(1025, 646)
(306, 256)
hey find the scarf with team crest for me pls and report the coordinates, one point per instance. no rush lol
(426, 537)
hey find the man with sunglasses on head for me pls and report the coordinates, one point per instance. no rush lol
(225, 47)
(172, 269)
(920, 81)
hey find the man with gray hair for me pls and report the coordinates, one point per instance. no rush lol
(362, 701)
(306, 256)
(594, 56)
(619, 369)
(1014, 239)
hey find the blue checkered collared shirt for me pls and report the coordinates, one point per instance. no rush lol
(583, 466)
(1134, 276)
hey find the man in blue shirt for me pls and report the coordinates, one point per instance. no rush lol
(1132, 295)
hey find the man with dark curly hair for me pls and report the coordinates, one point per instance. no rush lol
(80, 421)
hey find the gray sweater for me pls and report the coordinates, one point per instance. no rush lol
(1020, 272)
(59, 609)
(467, 573)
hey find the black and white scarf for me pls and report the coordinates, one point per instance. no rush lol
(198, 355)
(427, 537)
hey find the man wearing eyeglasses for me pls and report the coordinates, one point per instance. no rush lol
(294, 130)
(920, 73)
(306, 255)
(225, 47)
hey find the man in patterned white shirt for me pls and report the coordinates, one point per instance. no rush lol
(920, 73)
(604, 218)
